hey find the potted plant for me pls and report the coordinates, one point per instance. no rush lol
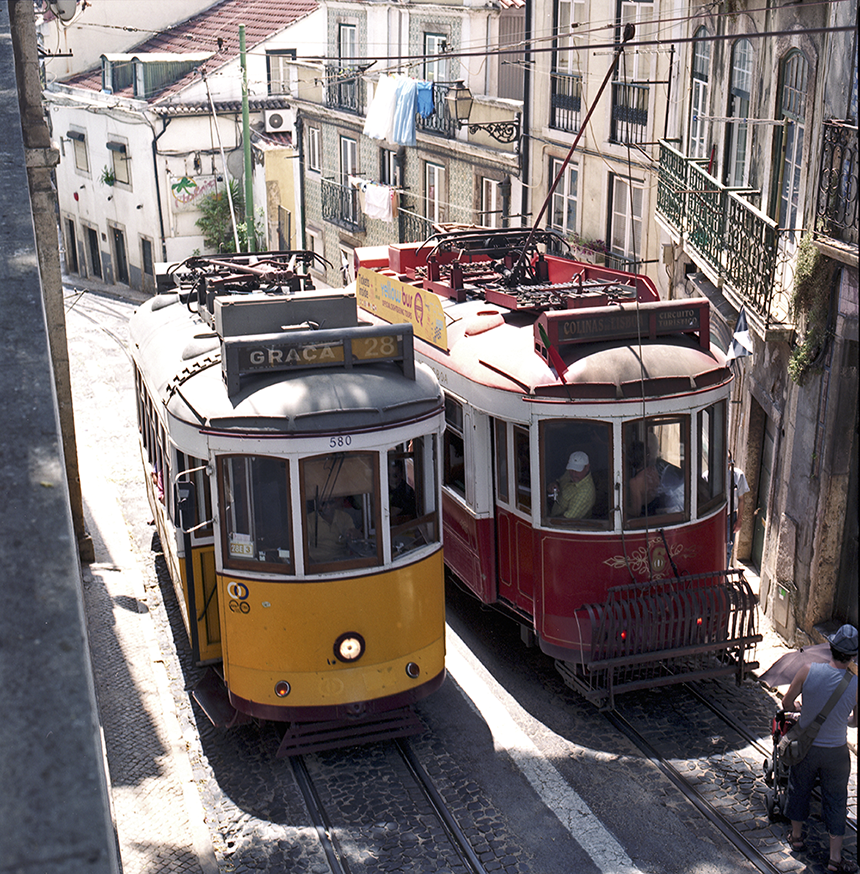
(592, 251)
(107, 177)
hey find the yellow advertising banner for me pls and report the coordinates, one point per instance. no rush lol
(397, 302)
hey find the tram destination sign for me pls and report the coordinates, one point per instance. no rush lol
(312, 350)
(627, 321)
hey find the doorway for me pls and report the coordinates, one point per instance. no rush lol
(120, 256)
(95, 252)
(71, 247)
(765, 476)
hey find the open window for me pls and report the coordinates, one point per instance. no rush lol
(412, 498)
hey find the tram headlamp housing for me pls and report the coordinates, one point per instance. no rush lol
(349, 647)
(282, 688)
(412, 671)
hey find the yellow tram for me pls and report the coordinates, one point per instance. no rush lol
(291, 454)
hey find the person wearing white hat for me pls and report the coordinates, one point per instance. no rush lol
(828, 759)
(576, 490)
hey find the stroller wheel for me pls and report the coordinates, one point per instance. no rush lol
(768, 772)
(770, 803)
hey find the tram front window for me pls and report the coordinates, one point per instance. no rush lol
(412, 477)
(256, 511)
(340, 493)
(656, 469)
(576, 466)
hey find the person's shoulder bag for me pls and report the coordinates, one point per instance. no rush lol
(795, 743)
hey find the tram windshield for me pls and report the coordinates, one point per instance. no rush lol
(576, 459)
(340, 492)
(712, 457)
(412, 478)
(656, 469)
(256, 511)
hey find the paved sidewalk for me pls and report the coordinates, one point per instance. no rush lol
(156, 805)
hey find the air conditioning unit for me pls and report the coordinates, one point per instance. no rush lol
(277, 121)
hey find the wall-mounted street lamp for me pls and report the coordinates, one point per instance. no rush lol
(459, 100)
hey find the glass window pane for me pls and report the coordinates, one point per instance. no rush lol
(523, 472)
(712, 475)
(656, 468)
(501, 431)
(256, 511)
(454, 472)
(576, 464)
(414, 517)
(340, 496)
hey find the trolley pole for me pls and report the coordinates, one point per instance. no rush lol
(246, 141)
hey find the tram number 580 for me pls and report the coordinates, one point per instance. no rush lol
(340, 442)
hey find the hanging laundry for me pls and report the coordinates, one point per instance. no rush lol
(424, 101)
(404, 113)
(380, 114)
(377, 202)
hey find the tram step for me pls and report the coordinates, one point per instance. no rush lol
(312, 737)
(211, 694)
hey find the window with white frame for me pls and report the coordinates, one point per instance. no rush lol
(434, 178)
(625, 232)
(314, 243)
(795, 80)
(119, 162)
(699, 127)
(740, 88)
(563, 205)
(312, 157)
(279, 65)
(434, 44)
(491, 203)
(389, 168)
(78, 140)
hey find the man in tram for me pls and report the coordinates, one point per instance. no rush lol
(576, 492)
(330, 529)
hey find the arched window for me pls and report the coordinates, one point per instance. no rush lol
(794, 81)
(740, 87)
(699, 127)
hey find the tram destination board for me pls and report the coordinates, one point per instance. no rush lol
(647, 320)
(304, 350)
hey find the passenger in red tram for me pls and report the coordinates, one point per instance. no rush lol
(576, 492)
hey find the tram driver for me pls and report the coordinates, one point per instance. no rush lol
(330, 530)
(575, 489)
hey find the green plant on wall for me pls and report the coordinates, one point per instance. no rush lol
(216, 222)
(107, 176)
(810, 299)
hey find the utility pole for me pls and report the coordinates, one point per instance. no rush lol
(246, 140)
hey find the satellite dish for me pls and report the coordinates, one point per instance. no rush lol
(65, 10)
(236, 163)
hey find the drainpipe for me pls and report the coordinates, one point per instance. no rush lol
(155, 139)
(246, 139)
(300, 225)
(525, 145)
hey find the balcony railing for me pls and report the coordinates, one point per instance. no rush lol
(837, 183)
(413, 227)
(731, 239)
(344, 88)
(340, 206)
(441, 121)
(629, 112)
(566, 101)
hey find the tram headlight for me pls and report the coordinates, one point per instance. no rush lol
(282, 688)
(412, 671)
(349, 647)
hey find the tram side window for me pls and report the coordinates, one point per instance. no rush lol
(254, 491)
(340, 493)
(712, 457)
(656, 469)
(454, 472)
(191, 469)
(576, 465)
(501, 453)
(522, 469)
(414, 519)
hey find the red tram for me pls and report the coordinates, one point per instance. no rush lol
(584, 465)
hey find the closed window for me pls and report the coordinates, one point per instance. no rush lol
(795, 81)
(563, 206)
(699, 126)
(740, 88)
(434, 177)
(120, 162)
(313, 149)
(625, 223)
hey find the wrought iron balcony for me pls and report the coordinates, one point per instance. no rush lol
(340, 206)
(441, 122)
(836, 212)
(413, 227)
(565, 101)
(629, 113)
(344, 88)
(732, 241)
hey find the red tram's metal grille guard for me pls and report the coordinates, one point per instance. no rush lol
(664, 632)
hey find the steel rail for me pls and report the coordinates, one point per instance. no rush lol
(705, 808)
(319, 820)
(455, 834)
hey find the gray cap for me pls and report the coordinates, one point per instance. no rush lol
(578, 461)
(845, 640)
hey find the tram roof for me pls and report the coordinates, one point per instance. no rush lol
(180, 358)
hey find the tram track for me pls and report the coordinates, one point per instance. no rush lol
(361, 840)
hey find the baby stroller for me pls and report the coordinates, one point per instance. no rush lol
(775, 770)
